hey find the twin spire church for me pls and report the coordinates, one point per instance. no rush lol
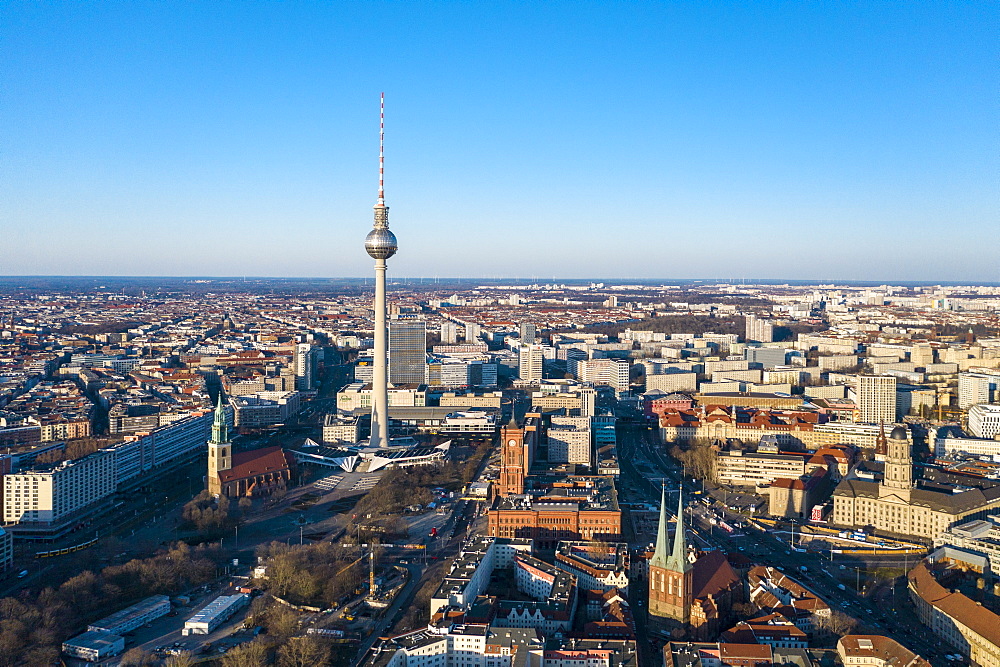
(689, 595)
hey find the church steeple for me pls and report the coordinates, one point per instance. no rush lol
(662, 553)
(678, 561)
(670, 572)
(220, 449)
(220, 429)
(881, 444)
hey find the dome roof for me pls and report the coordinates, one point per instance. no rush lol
(900, 433)
(381, 243)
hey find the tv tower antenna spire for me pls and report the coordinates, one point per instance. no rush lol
(381, 151)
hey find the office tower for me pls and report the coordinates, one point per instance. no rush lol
(761, 331)
(407, 352)
(530, 366)
(526, 333)
(876, 399)
(380, 244)
(305, 363)
(472, 332)
(449, 333)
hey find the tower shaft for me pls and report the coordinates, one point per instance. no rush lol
(380, 380)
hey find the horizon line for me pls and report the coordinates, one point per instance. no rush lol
(529, 280)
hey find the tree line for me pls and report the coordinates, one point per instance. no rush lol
(33, 627)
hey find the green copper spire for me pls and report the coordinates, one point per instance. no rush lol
(678, 561)
(220, 429)
(661, 554)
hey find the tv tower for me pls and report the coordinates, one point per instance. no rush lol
(380, 244)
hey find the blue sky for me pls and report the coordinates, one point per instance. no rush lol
(840, 140)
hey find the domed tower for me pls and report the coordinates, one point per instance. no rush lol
(898, 462)
(380, 244)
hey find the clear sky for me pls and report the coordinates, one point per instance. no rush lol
(807, 140)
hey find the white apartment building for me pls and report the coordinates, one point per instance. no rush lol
(304, 363)
(358, 396)
(531, 360)
(140, 453)
(449, 332)
(757, 468)
(596, 565)
(570, 440)
(52, 495)
(984, 421)
(976, 388)
(759, 330)
(467, 646)
(341, 430)
(265, 408)
(973, 446)
(876, 399)
(611, 372)
(671, 382)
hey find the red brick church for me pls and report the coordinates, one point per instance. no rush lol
(258, 472)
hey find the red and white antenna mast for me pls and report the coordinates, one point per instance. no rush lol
(381, 151)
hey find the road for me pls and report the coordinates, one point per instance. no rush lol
(403, 599)
(893, 617)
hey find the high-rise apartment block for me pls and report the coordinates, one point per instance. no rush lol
(407, 352)
(922, 355)
(758, 330)
(472, 332)
(531, 363)
(526, 332)
(50, 496)
(876, 399)
(977, 388)
(570, 440)
(449, 332)
(611, 372)
(305, 366)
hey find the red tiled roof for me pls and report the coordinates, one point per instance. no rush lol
(256, 462)
(711, 575)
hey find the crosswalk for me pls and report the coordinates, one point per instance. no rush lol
(328, 483)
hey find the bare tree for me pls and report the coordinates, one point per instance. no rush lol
(251, 654)
(182, 659)
(308, 651)
(837, 623)
(282, 622)
(136, 657)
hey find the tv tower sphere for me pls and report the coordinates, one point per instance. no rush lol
(381, 243)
